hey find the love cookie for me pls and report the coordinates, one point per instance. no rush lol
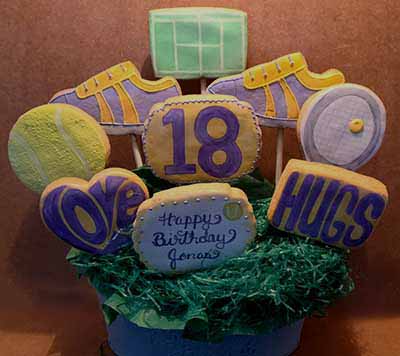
(193, 227)
(203, 138)
(328, 203)
(92, 216)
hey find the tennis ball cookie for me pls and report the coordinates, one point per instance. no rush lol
(54, 141)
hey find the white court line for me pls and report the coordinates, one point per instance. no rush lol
(203, 20)
(200, 47)
(175, 47)
(221, 45)
(244, 49)
(153, 45)
(196, 45)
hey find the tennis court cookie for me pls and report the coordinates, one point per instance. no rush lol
(93, 216)
(55, 141)
(334, 205)
(194, 42)
(343, 125)
(193, 227)
(201, 138)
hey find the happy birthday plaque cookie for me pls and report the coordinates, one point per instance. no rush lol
(193, 227)
(328, 203)
(55, 141)
(200, 138)
(92, 216)
(343, 125)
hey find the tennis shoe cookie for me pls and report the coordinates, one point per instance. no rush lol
(119, 98)
(278, 89)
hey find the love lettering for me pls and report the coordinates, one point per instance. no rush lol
(327, 209)
(89, 215)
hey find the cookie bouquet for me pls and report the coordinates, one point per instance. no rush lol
(194, 252)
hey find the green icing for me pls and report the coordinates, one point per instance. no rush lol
(198, 42)
(279, 279)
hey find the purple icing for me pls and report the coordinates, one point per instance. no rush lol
(88, 104)
(53, 219)
(101, 205)
(130, 196)
(370, 207)
(76, 198)
(114, 103)
(293, 202)
(225, 143)
(279, 100)
(145, 100)
(299, 90)
(376, 204)
(339, 225)
(176, 117)
(106, 198)
(312, 228)
(235, 87)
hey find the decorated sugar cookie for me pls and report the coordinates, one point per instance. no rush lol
(92, 216)
(193, 227)
(195, 42)
(119, 98)
(277, 90)
(201, 138)
(54, 141)
(343, 125)
(328, 203)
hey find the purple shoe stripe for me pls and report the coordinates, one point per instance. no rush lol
(90, 104)
(144, 100)
(299, 90)
(279, 99)
(114, 103)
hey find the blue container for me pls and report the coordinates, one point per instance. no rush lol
(127, 339)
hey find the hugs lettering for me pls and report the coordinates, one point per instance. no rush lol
(325, 208)
(89, 215)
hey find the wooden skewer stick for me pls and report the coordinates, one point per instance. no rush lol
(279, 155)
(136, 152)
(203, 85)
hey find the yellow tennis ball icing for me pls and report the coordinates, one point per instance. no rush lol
(54, 141)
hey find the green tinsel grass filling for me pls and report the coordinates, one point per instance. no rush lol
(278, 280)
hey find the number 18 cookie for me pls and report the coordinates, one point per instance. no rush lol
(193, 227)
(198, 138)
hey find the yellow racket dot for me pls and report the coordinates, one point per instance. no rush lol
(356, 125)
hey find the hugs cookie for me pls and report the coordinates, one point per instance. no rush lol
(200, 138)
(91, 216)
(193, 227)
(328, 203)
(54, 141)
